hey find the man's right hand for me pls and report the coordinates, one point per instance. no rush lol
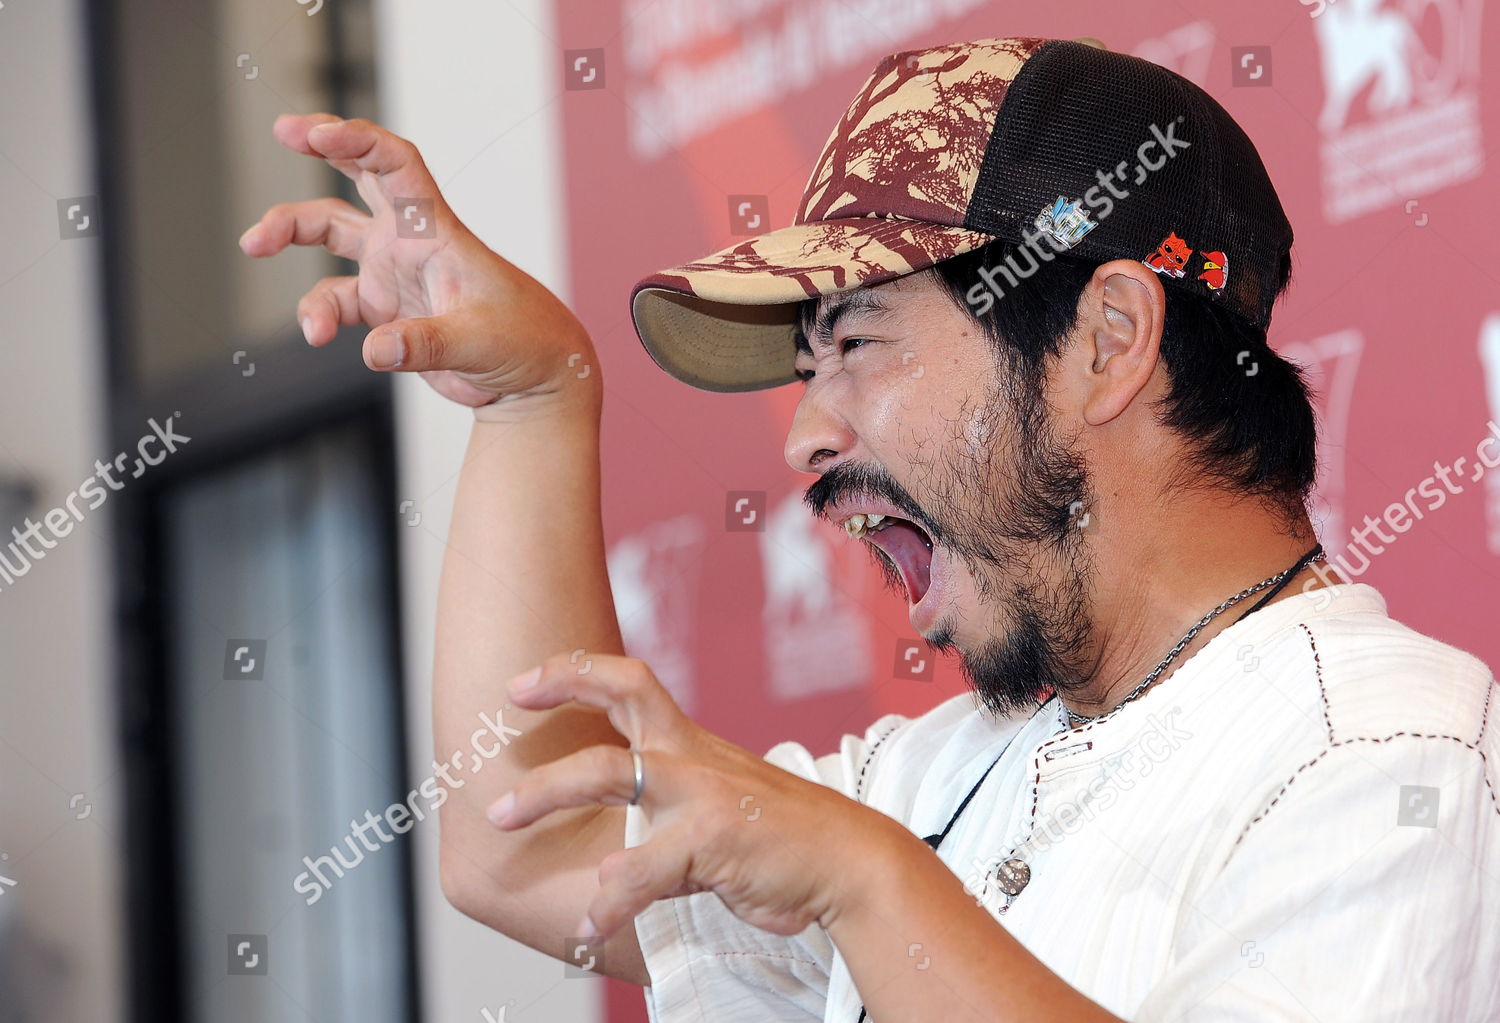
(478, 329)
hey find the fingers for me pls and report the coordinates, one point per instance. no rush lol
(291, 130)
(631, 879)
(358, 149)
(360, 145)
(639, 706)
(336, 225)
(331, 303)
(595, 775)
(460, 340)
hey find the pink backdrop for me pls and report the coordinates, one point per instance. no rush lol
(685, 121)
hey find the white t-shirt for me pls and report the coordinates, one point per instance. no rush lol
(1302, 822)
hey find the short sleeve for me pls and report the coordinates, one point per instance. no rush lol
(707, 964)
(1366, 889)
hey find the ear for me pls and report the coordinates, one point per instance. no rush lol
(1123, 321)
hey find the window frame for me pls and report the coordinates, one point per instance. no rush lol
(314, 390)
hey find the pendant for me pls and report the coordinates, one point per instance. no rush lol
(1012, 876)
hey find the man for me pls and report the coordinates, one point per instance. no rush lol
(1196, 778)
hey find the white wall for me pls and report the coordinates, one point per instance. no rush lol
(57, 695)
(476, 85)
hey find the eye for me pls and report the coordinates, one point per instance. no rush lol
(851, 343)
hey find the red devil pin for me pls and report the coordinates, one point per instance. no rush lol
(1170, 257)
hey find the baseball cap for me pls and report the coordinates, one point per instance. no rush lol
(1058, 146)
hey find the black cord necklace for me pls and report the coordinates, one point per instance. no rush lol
(1274, 585)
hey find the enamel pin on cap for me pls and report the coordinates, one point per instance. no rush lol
(1065, 222)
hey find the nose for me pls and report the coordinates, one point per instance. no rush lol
(819, 435)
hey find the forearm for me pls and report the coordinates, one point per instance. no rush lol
(523, 578)
(919, 946)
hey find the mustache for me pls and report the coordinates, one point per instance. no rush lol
(848, 480)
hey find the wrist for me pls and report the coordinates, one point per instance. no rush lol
(887, 856)
(568, 400)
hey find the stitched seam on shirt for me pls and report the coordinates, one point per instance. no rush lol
(1036, 763)
(869, 757)
(1318, 671)
(687, 966)
(1484, 765)
(1484, 719)
(1075, 732)
(1066, 735)
(761, 955)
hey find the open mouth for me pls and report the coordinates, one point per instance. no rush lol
(903, 543)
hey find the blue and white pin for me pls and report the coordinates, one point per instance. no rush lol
(1065, 222)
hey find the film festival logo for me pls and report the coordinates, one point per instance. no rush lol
(1400, 113)
(653, 576)
(1187, 49)
(817, 640)
(1331, 363)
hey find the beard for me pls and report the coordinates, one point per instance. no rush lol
(1025, 551)
(1004, 499)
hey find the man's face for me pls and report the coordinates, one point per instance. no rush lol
(911, 413)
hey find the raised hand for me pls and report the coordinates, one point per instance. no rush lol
(447, 306)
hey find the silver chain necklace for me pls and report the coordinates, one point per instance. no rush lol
(1075, 719)
(1013, 873)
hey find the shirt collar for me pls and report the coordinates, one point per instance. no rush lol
(1330, 601)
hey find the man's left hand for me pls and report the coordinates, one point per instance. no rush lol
(724, 820)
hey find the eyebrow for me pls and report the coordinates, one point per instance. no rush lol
(857, 301)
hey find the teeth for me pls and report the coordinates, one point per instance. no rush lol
(863, 525)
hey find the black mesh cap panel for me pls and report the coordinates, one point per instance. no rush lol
(1075, 110)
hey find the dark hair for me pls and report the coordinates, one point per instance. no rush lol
(1253, 433)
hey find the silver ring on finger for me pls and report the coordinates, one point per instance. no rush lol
(640, 777)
